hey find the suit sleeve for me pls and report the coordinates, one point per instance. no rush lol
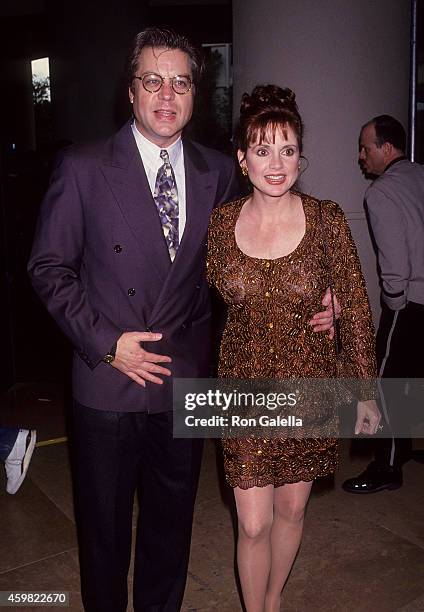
(229, 187)
(56, 267)
(388, 228)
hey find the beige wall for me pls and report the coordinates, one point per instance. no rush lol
(347, 61)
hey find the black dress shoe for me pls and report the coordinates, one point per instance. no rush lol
(375, 478)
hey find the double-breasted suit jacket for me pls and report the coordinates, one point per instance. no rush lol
(101, 266)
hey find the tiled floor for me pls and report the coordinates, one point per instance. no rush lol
(359, 553)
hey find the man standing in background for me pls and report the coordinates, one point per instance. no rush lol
(395, 208)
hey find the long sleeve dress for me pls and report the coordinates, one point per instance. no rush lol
(267, 336)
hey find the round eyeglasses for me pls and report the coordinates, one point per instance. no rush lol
(152, 82)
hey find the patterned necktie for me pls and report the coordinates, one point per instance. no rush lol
(166, 198)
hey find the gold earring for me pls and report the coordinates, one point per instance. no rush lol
(244, 170)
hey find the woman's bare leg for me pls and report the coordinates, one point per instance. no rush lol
(255, 515)
(289, 509)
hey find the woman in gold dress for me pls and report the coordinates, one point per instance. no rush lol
(266, 260)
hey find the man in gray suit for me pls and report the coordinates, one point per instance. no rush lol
(119, 261)
(395, 207)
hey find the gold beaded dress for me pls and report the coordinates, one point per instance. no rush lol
(267, 336)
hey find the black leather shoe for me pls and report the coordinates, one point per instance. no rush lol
(375, 478)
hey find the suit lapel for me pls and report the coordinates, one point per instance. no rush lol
(127, 179)
(201, 185)
(125, 175)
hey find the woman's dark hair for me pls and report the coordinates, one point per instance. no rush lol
(163, 37)
(265, 110)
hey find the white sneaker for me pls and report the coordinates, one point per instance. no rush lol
(18, 460)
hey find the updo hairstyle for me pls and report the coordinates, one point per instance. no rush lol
(265, 110)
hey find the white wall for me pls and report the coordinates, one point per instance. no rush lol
(347, 61)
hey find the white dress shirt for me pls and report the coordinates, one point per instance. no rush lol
(152, 161)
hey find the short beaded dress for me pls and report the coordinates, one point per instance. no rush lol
(270, 303)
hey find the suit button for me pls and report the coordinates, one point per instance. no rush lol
(131, 291)
(117, 248)
(197, 287)
(184, 326)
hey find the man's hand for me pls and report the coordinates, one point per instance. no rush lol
(323, 321)
(131, 359)
(367, 417)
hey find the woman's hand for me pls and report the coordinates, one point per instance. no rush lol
(323, 321)
(367, 417)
